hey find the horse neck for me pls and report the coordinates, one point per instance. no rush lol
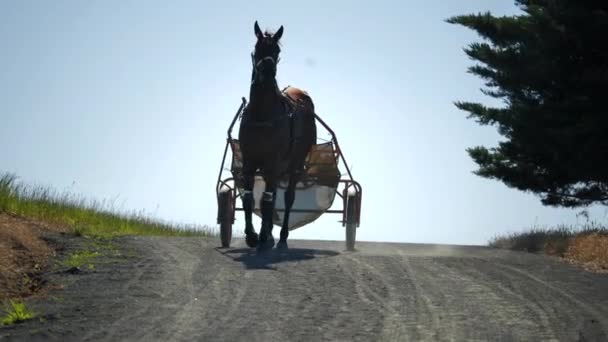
(264, 99)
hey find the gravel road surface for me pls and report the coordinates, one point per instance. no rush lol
(188, 289)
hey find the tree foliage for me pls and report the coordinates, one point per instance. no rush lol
(549, 66)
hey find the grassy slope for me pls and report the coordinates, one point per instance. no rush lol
(83, 217)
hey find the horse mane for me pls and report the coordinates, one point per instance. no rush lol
(269, 34)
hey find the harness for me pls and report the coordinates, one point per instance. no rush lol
(291, 105)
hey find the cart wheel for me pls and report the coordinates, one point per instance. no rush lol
(351, 225)
(226, 217)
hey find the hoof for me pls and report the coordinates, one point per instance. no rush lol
(266, 245)
(251, 239)
(282, 245)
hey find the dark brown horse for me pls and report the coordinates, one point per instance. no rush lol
(276, 133)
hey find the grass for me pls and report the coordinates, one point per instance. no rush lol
(82, 216)
(80, 259)
(16, 312)
(587, 245)
(92, 248)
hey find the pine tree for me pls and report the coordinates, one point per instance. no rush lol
(549, 66)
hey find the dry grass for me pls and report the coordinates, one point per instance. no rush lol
(587, 246)
(591, 250)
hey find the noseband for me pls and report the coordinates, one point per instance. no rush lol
(256, 65)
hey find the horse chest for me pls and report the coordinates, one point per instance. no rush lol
(263, 141)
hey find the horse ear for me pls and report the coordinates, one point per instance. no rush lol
(256, 29)
(279, 34)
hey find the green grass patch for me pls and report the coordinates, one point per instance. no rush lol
(16, 312)
(80, 259)
(85, 217)
(102, 245)
(87, 256)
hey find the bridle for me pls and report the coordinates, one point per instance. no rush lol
(272, 121)
(256, 65)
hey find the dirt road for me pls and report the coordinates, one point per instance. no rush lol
(186, 289)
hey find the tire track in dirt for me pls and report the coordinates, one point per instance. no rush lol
(515, 293)
(288, 301)
(406, 311)
(233, 302)
(142, 267)
(240, 308)
(513, 307)
(425, 304)
(594, 323)
(388, 304)
(331, 305)
(366, 293)
(184, 266)
(506, 314)
(213, 293)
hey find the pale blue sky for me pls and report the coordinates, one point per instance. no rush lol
(132, 99)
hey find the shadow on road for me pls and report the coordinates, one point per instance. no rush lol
(254, 260)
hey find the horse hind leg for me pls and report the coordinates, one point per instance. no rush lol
(290, 195)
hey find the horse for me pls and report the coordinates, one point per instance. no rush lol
(276, 133)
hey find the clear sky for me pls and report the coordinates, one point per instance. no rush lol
(130, 101)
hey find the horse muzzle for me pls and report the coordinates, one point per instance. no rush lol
(266, 66)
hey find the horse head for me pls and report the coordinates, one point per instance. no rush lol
(265, 56)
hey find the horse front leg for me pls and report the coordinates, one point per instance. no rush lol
(268, 203)
(290, 195)
(251, 237)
